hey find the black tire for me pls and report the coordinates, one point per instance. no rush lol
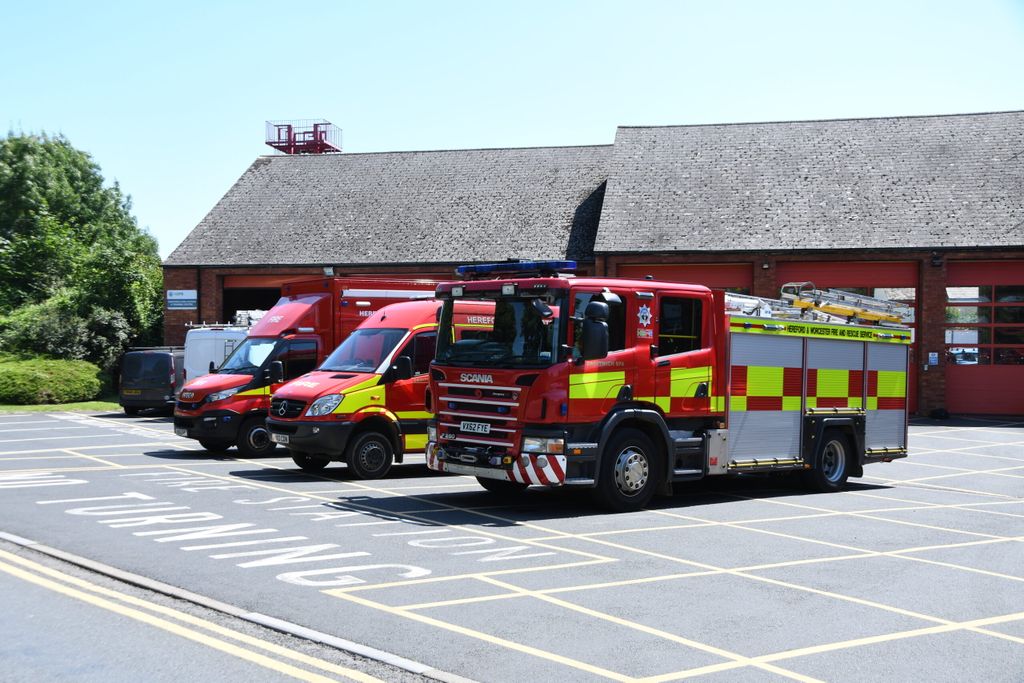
(131, 410)
(254, 438)
(370, 455)
(631, 471)
(308, 461)
(215, 446)
(831, 463)
(501, 486)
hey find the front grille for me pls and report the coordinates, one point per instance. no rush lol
(286, 408)
(496, 407)
(184, 405)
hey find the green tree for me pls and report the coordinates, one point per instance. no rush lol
(73, 261)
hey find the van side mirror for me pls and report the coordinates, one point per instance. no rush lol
(276, 372)
(213, 368)
(402, 368)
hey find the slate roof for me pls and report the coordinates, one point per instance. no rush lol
(405, 207)
(934, 181)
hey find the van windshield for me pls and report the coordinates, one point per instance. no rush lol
(364, 350)
(142, 368)
(249, 357)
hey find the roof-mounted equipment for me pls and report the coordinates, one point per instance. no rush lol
(515, 268)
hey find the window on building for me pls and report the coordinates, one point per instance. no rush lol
(985, 325)
(679, 326)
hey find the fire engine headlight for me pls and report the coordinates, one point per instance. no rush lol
(432, 433)
(324, 405)
(533, 444)
(221, 395)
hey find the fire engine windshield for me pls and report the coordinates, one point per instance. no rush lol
(249, 356)
(364, 350)
(505, 332)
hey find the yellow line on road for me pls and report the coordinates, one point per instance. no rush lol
(92, 597)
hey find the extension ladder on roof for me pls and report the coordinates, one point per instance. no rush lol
(851, 307)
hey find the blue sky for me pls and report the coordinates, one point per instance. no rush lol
(171, 98)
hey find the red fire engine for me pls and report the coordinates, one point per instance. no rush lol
(626, 386)
(364, 404)
(229, 406)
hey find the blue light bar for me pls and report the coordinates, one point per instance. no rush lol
(516, 267)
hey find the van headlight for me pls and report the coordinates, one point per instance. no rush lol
(324, 405)
(533, 444)
(221, 395)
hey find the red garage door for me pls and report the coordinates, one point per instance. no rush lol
(736, 277)
(892, 280)
(985, 337)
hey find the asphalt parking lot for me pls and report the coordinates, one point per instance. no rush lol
(915, 572)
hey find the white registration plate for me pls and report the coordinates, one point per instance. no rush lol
(278, 438)
(181, 431)
(475, 427)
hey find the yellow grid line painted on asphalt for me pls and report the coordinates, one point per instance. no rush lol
(32, 573)
(664, 635)
(976, 626)
(487, 638)
(94, 458)
(996, 472)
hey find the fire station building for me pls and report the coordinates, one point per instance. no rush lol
(926, 210)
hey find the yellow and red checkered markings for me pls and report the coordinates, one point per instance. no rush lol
(756, 387)
(779, 388)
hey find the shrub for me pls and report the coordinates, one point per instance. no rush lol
(55, 328)
(33, 381)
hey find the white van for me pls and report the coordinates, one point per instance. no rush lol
(204, 345)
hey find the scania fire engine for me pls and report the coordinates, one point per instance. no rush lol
(626, 386)
(229, 406)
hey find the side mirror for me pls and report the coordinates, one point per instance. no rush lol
(595, 337)
(596, 310)
(276, 372)
(213, 368)
(403, 368)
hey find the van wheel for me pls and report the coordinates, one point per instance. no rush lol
(831, 463)
(308, 461)
(630, 472)
(254, 438)
(502, 486)
(215, 446)
(129, 410)
(370, 455)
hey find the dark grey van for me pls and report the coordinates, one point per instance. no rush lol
(150, 377)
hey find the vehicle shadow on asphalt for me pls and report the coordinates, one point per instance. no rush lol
(475, 506)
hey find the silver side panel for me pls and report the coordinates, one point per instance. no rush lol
(835, 354)
(886, 428)
(759, 349)
(764, 434)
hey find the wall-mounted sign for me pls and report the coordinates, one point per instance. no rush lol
(933, 358)
(182, 299)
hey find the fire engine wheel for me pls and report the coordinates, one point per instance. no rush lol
(832, 463)
(215, 446)
(254, 438)
(630, 472)
(501, 486)
(370, 455)
(308, 461)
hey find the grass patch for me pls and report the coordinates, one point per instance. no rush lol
(104, 404)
